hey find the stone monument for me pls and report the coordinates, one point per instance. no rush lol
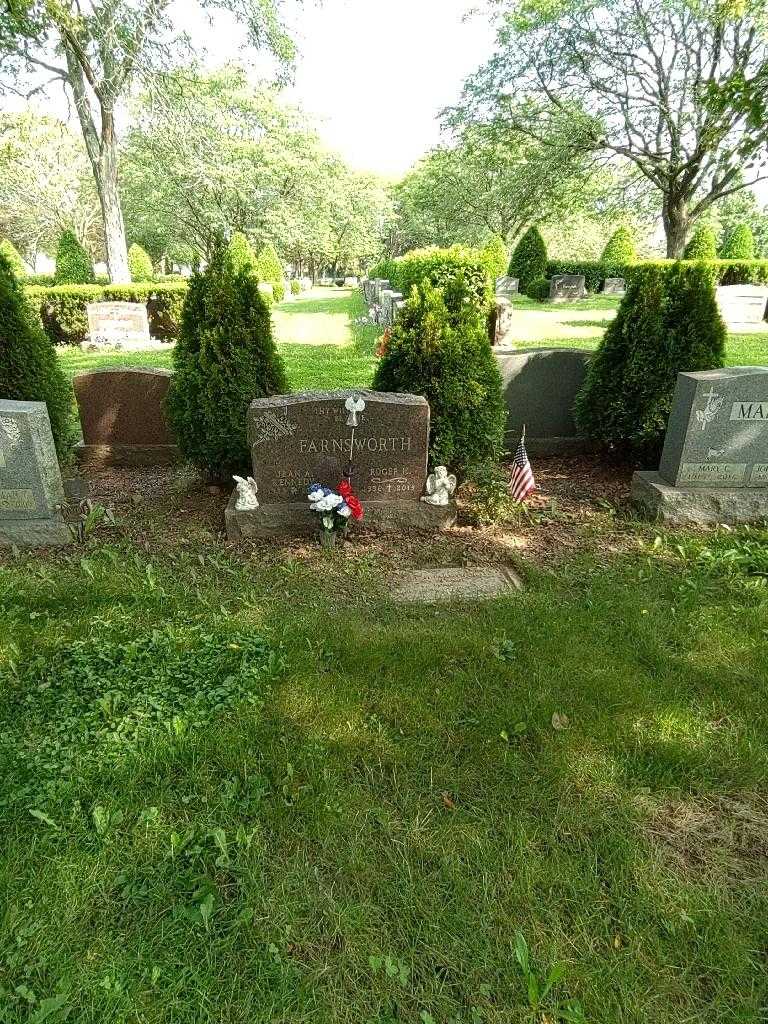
(507, 285)
(122, 413)
(742, 304)
(714, 467)
(501, 323)
(567, 287)
(297, 440)
(614, 286)
(31, 491)
(118, 325)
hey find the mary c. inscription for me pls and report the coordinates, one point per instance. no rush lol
(301, 439)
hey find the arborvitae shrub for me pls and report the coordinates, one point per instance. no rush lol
(439, 348)
(739, 245)
(270, 269)
(667, 323)
(495, 256)
(29, 369)
(620, 249)
(538, 289)
(139, 264)
(73, 264)
(11, 253)
(439, 267)
(529, 260)
(224, 359)
(241, 255)
(702, 245)
(295, 287)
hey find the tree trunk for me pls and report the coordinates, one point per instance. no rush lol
(112, 214)
(676, 225)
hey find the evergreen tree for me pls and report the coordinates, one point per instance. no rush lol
(139, 264)
(620, 249)
(270, 270)
(439, 348)
(529, 260)
(11, 253)
(224, 359)
(667, 323)
(29, 369)
(703, 244)
(739, 245)
(241, 255)
(73, 264)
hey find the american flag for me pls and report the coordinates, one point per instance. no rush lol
(522, 483)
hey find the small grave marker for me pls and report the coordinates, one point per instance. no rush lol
(120, 325)
(567, 287)
(614, 286)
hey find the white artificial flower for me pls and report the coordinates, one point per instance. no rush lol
(334, 500)
(344, 510)
(328, 522)
(315, 495)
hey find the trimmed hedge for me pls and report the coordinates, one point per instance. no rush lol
(739, 245)
(64, 315)
(439, 267)
(539, 289)
(529, 259)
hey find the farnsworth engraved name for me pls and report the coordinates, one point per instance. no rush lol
(343, 445)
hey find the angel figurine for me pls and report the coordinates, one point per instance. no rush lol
(354, 406)
(246, 494)
(441, 486)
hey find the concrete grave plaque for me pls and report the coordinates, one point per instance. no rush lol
(122, 413)
(118, 325)
(567, 287)
(742, 303)
(31, 491)
(614, 286)
(507, 285)
(714, 467)
(297, 440)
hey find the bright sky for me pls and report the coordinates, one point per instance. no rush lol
(375, 75)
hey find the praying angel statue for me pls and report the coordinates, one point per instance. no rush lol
(246, 494)
(441, 486)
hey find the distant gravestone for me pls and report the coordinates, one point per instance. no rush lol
(350, 282)
(742, 304)
(300, 439)
(502, 323)
(614, 286)
(714, 467)
(31, 491)
(507, 285)
(567, 287)
(118, 325)
(540, 387)
(122, 413)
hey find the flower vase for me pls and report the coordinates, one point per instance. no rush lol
(328, 540)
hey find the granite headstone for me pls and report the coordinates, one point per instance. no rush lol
(31, 491)
(306, 438)
(507, 285)
(714, 466)
(567, 287)
(742, 303)
(122, 413)
(119, 325)
(614, 286)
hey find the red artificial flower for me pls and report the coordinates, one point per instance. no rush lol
(345, 490)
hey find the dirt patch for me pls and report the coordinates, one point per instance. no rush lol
(582, 504)
(722, 836)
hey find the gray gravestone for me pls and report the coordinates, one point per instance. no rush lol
(297, 440)
(742, 303)
(614, 286)
(507, 285)
(502, 323)
(31, 491)
(567, 287)
(714, 466)
(540, 387)
(120, 325)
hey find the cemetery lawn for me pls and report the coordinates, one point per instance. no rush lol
(251, 789)
(324, 348)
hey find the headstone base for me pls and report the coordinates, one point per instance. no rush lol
(35, 533)
(298, 519)
(697, 506)
(113, 456)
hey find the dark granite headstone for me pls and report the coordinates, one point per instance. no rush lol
(714, 467)
(122, 412)
(297, 440)
(31, 491)
(567, 287)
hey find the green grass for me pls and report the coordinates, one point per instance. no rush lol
(342, 358)
(218, 811)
